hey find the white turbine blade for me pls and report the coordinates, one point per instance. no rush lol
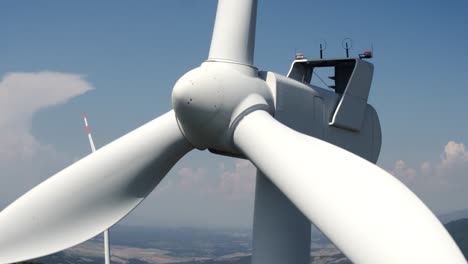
(91, 195)
(366, 212)
(234, 32)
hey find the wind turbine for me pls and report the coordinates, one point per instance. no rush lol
(106, 232)
(314, 150)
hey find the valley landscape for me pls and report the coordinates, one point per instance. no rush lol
(150, 245)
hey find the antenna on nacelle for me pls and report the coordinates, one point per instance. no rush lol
(323, 46)
(347, 44)
(106, 232)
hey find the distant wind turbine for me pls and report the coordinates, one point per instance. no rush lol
(106, 232)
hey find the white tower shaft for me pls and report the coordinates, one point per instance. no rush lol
(281, 233)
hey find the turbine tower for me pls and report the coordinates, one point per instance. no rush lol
(314, 149)
(107, 256)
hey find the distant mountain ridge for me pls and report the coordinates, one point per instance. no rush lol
(459, 231)
(453, 216)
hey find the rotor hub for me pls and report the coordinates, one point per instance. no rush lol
(208, 99)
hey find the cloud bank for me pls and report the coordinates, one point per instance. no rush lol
(223, 193)
(218, 195)
(24, 161)
(442, 184)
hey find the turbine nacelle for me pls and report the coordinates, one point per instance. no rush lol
(211, 99)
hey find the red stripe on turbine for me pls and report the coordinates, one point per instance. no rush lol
(88, 131)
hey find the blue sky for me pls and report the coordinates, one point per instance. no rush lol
(133, 52)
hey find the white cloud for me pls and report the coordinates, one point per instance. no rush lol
(23, 159)
(443, 184)
(21, 96)
(454, 153)
(221, 184)
(403, 172)
(238, 183)
(426, 168)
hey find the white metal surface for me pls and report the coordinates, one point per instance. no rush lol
(308, 109)
(350, 112)
(207, 99)
(281, 233)
(74, 205)
(366, 212)
(107, 254)
(234, 32)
